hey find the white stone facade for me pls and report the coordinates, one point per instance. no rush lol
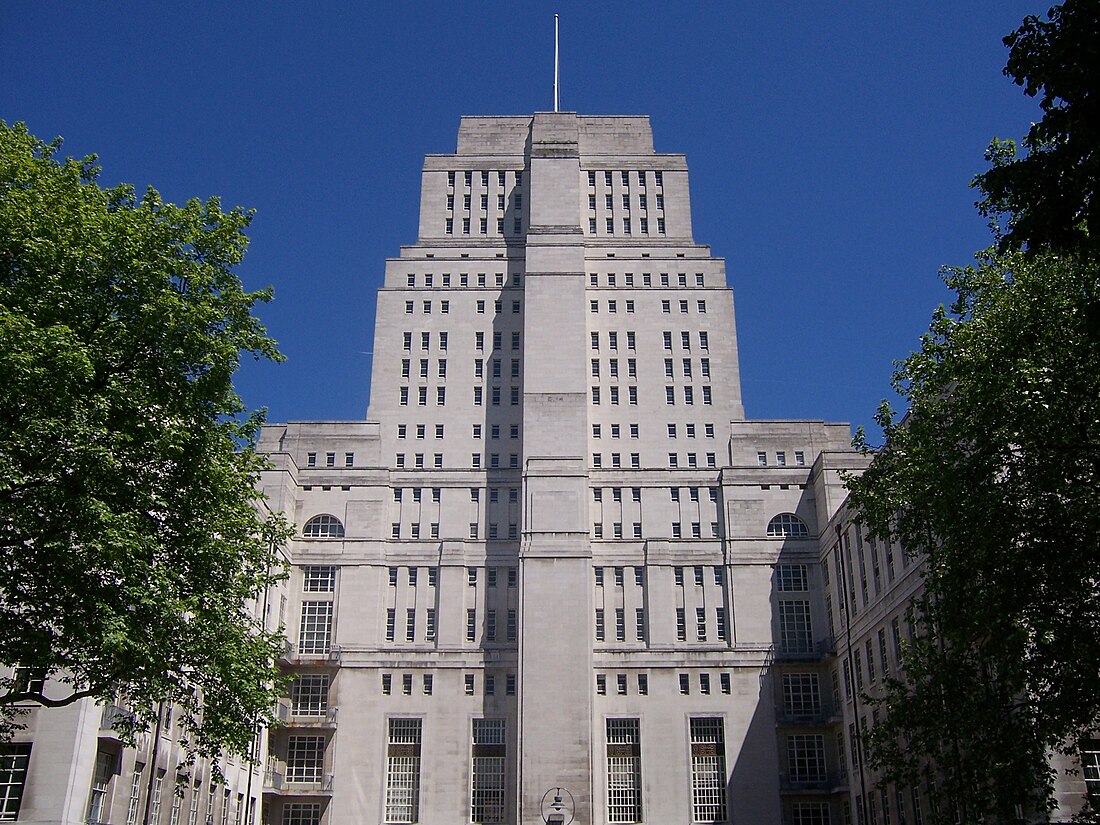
(554, 567)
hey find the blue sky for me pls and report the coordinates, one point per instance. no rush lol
(830, 148)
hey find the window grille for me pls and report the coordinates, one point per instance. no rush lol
(315, 631)
(403, 771)
(708, 770)
(624, 771)
(487, 773)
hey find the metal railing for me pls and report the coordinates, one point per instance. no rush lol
(113, 719)
(818, 650)
(830, 782)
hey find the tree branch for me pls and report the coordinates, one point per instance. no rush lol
(45, 701)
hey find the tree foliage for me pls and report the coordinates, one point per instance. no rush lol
(1047, 198)
(130, 534)
(994, 478)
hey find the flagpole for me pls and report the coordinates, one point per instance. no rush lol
(555, 63)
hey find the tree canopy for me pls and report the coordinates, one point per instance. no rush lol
(994, 478)
(1047, 198)
(993, 475)
(131, 537)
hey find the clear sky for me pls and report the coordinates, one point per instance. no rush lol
(830, 147)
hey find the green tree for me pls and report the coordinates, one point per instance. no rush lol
(993, 477)
(1047, 198)
(131, 538)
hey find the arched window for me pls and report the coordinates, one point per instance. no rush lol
(325, 526)
(788, 525)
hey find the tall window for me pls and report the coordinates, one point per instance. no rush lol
(309, 695)
(795, 632)
(305, 758)
(488, 752)
(177, 804)
(1090, 767)
(315, 631)
(403, 771)
(708, 770)
(13, 760)
(624, 771)
(154, 800)
(193, 809)
(101, 780)
(135, 793)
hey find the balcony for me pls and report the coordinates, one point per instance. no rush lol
(313, 720)
(825, 714)
(276, 782)
(821, 649)
(113, 719)
(828, 783)
(291, 655)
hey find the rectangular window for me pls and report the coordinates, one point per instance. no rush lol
(708, 770)
(305, 758)
(315, 629)
(806, 758)
(403, 771)
(488, 751)
(681, 625)
(801, 695)
(13, 777)
(309, 695)
(624, 771)
(791, 578)
(471, 624)
(810, 813)
(318, 579)
(795, 632)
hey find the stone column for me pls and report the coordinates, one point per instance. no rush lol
(555, 654)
